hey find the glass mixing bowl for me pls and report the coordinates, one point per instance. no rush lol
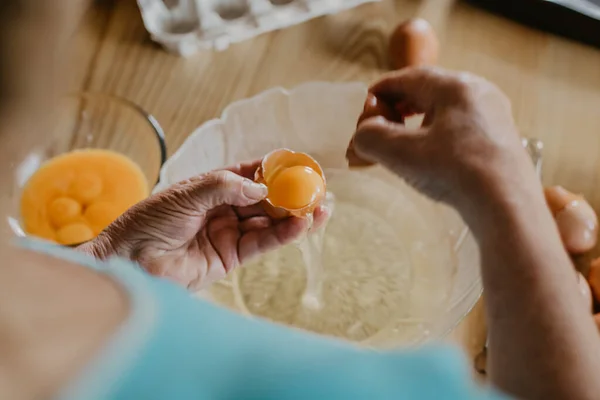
(98, 121)
(319, 118)
(387, 268)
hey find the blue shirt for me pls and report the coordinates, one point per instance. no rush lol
(175, 346)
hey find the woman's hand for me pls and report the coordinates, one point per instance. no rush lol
(543, 342)
(468, 145)
(197, 231)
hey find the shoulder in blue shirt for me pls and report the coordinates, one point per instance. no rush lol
(175, 346)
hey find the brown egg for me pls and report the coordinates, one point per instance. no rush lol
(558, 198)
(296, 183)
(594, 278)
(577, 222)
(586, 292)
(413, 43)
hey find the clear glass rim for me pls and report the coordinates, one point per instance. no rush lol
(150, 119)
(458, 309)
(157, 129)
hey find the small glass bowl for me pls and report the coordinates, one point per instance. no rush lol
(92, 121)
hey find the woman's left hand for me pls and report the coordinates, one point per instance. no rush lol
(198, 230)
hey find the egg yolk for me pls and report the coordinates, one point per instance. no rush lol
(101, 214)
(74, 196)
(63, 210)
(85, 187)
(295, 187)
(74, 234)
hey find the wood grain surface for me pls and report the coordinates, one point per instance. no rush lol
(554, 84)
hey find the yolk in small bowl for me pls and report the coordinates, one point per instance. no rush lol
(85, 187)
(63, 210)
(74, 233)
(75, 195)
(101, 214)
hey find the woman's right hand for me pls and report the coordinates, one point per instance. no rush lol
(542, 343)
(468, 149)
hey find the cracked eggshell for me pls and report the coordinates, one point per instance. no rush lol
(278, 160)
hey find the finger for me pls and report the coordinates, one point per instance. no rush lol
(280, 233)
(256, 242)
(320, 216)
(374, 107)
(353, 159)
(417, 87)
(255, 223)
(246, 170)
(215, 271)
(388, 143)
(254, 210)
(224, 187)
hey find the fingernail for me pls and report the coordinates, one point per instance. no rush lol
(253, 190)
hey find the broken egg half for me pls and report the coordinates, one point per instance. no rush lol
(295, 181)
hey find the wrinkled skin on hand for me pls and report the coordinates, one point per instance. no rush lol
(198, 230)
(467, 142)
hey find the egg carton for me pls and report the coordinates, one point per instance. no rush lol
(184, 27)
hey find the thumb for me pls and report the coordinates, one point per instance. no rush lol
(388, 143)
(225, 187)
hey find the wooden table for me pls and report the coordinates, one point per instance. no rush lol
(554, 83)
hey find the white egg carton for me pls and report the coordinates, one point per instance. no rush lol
(186, 26)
